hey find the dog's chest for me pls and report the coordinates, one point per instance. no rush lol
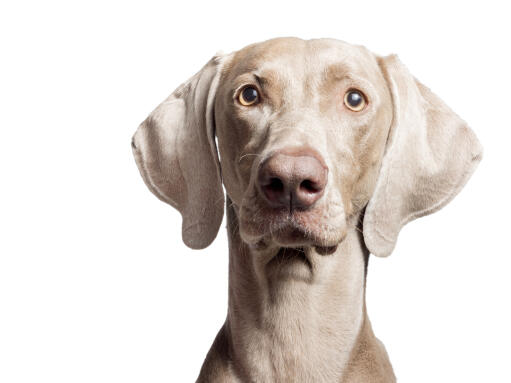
(295, 349)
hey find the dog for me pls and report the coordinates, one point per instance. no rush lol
(325, 151)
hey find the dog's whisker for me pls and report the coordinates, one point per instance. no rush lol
(247, 155)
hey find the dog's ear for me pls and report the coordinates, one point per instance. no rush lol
(176, 154)
(430, 155)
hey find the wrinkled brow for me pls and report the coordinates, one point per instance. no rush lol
(267, 79)
(337, 71)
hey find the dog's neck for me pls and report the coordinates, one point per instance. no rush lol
(286, 328)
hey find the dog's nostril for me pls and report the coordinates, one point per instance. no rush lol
(275, 184)
(309, 186)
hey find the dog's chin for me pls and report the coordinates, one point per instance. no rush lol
(294, 263)
(290, 264)
(291, 245)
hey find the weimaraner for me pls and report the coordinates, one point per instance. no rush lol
(325, 151)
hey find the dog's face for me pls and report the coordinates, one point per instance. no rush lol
(301, 129)
(310, 133)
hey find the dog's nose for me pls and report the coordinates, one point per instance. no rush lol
(293, 179)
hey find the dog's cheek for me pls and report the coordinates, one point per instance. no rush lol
(250, 228)
(232, 185)
(344, 178)
(369, 167)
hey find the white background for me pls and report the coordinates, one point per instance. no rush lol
(95, 283)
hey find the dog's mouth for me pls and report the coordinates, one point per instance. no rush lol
(292, 235)
(320, 228)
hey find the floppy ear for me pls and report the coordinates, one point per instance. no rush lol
(176, 154)
(430, 155)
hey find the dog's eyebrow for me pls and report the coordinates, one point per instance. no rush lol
(337, 71)
(266, 80)
(261, 81)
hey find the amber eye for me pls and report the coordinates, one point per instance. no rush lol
(248, 96)
(355, 100)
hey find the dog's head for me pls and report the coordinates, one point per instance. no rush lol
(310, 133)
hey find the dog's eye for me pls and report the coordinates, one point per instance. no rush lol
(248, 96)
(355, 100)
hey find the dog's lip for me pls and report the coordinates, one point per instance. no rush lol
(321, 250)
(325, 250)
(288, 230)
(291, 252)
(295, 235)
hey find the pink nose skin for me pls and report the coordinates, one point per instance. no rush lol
(293, 179)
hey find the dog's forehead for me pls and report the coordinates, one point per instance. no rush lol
(298, 57)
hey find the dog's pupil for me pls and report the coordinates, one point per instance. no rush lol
(249, 94)
(354, 98)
